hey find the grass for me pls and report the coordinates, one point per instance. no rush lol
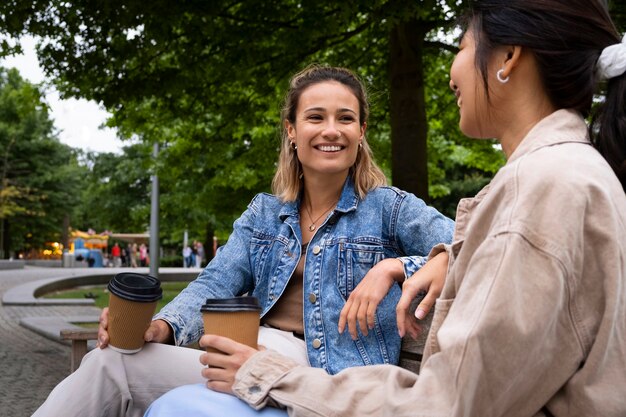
(100, 294)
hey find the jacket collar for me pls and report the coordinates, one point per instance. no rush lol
(348, 201)
(560, 127)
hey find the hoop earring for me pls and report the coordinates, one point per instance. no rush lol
(499, 77)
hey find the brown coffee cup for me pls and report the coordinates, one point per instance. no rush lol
(237, 318)
(132, 302)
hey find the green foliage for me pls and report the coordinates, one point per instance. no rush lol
(40, 177)
(116, 192)
(213, 73)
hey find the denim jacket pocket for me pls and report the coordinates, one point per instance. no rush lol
(355, 261)
(264, 256)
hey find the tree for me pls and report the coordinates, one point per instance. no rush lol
(115, 195)
(39, 175)
(207, 64)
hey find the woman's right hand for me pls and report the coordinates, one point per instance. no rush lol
(103, 334)
(431, 278)
(158, 332)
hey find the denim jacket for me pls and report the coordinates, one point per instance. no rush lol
(265, 247)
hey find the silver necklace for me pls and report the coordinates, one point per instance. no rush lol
(312, 226)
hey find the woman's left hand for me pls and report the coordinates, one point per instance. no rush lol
(223, 366)
(360, 308)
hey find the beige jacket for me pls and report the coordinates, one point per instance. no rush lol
(532, 319)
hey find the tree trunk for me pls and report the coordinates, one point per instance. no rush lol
(65, 231)
(6, 239)
(409, 129)
(209, 232)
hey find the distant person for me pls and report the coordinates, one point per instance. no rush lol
(133, 255)
(124, 256)
(143, 255)
(324, 254)
(187, 256)
(199, 254)
(116, 253)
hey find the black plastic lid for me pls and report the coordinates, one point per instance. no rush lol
(245, 303)
(136, 287)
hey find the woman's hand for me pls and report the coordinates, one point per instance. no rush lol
(431, 278)
(159, 331)
(222, 366)
(103, 334)
(360, 309)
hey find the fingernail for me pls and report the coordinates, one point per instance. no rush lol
(148, 337)
(420, 313)
(101, 340)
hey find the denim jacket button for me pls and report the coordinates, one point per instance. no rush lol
(312, 298)
(316, 250)
(317, 343)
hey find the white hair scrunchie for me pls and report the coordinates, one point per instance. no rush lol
(612, 61)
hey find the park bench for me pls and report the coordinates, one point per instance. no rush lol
(410, 355)
(79, 339)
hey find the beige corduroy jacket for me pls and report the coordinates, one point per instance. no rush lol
(532, 318)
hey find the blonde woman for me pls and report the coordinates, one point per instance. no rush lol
(324, 255)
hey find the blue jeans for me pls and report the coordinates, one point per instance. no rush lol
(199, 401)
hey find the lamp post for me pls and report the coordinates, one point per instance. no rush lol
(154, 217)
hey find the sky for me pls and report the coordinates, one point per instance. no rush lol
(77, 121)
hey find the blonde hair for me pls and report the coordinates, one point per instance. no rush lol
(287, 182)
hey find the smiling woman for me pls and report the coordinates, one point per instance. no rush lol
(325, 256)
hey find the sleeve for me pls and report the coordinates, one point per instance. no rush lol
(412, 264)
(228, 274)
(500, 350)
(418, 229)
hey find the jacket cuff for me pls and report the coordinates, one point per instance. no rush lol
(412, 264)
(258, 375)
(438, 248)
(172, 320)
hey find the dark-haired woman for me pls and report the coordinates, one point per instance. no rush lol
(532, 317)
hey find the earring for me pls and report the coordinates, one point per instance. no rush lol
(499, 77)
(360, 145)
(294, 146)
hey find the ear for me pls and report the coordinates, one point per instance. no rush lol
(291, 129)
(511, 59)
(363, 129)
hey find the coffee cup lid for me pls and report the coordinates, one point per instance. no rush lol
(136, 287)
(244, 303)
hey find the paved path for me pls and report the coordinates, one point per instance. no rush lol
(30, 364)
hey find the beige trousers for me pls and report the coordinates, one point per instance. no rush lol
(109, 383)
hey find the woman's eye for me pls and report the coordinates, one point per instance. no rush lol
(314, 117)
(347, 118)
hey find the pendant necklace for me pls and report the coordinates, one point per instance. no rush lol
(312, 226)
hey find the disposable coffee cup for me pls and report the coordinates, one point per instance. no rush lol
(237, 318)
(132, 303)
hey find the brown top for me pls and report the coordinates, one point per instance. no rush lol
(286, 314)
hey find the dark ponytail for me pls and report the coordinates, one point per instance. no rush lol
(608, 127)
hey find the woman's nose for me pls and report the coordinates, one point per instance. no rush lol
(453, 86)
(331, 131)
